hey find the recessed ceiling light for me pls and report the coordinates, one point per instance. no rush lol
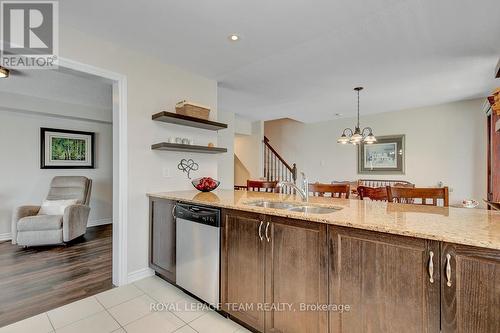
(338, 115)
(4, 72)
(234, 38)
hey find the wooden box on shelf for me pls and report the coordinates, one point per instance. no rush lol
(192, 110)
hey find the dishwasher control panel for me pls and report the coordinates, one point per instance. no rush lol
(199, 214)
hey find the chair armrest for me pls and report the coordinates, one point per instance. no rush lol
(75, 221)
(19, 213)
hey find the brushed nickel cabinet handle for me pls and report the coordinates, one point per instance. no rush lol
(431, 267)
(448, 270)
(267, 236)
(173, 211)
(260, 231)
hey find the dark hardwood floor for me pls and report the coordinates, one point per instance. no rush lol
(38, 279)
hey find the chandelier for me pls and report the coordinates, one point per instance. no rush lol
(357, 136)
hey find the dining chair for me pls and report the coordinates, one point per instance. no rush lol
(259, 185)
(411, 195)
(334, 190)
(384, 182)
(372, 193)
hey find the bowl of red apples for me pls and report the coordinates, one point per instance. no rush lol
(205, 184)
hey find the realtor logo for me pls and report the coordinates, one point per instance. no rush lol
(29, 34)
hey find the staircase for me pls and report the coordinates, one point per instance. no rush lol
(275, 167)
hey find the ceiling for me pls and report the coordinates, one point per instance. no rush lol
(61, 85)
(301, 58)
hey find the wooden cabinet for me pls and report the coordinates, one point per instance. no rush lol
(385, 280)
(242, 267)
(296, 276)
(470, 286)
(162, 238)
(270, 267)
(493, 158)
(278, 274)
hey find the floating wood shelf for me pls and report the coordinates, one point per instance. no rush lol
(188, 148)
(178, 119)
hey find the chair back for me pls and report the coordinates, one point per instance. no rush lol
(332, 190)
(411, 195)
(384, 183)
(70, 187)
(373, 193)
(259, 185)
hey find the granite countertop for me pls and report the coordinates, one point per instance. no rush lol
(475, 227)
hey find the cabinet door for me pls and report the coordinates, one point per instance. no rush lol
(385, 281)
(162, 238)
(296, 276)
(470, 287)
(242, 274)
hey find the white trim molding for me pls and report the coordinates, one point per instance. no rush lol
(95, 223)
(140, 274)
(120, 163)
(5, 237)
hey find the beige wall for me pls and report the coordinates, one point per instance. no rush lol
(443, 143)
(248, 149)
(241, 173)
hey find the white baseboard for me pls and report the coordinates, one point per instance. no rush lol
(5, 237)
(140, 274)
(95, 223)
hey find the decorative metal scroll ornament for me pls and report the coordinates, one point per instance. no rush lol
(187, 166)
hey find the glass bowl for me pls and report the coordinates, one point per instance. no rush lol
(205, 184)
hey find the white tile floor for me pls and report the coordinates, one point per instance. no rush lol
(127, 309)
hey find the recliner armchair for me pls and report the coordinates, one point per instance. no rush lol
(30, 229)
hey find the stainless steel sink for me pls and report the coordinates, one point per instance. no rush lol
(272, 204)
(315, 209)
(294, 207)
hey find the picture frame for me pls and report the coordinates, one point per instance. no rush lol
(66, 149)
(385, 157)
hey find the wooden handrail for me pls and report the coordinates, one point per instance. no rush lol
(291, 169)
(266, 142)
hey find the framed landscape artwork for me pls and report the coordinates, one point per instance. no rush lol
(65, 149)
(386, 156)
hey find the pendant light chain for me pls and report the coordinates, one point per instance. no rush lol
(358, 108)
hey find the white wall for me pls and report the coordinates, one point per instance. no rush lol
(248, 149)
(23, 182)
(443, 143)
(152, 87)
(242, 125)
(225, 169)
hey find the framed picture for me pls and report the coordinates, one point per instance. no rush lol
(65, 149)
(386, 156)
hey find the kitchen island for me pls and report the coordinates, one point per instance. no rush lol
(367, 267)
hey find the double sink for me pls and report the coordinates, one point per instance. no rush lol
(294, 207)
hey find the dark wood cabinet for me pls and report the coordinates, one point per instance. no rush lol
(296, 276)
(385, 280)
(270, 268)
(279, 275)
(242, 267)
(470, 286)
(493, 158)
(162, 238)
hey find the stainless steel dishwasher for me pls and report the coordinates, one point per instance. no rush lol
(198, 251)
